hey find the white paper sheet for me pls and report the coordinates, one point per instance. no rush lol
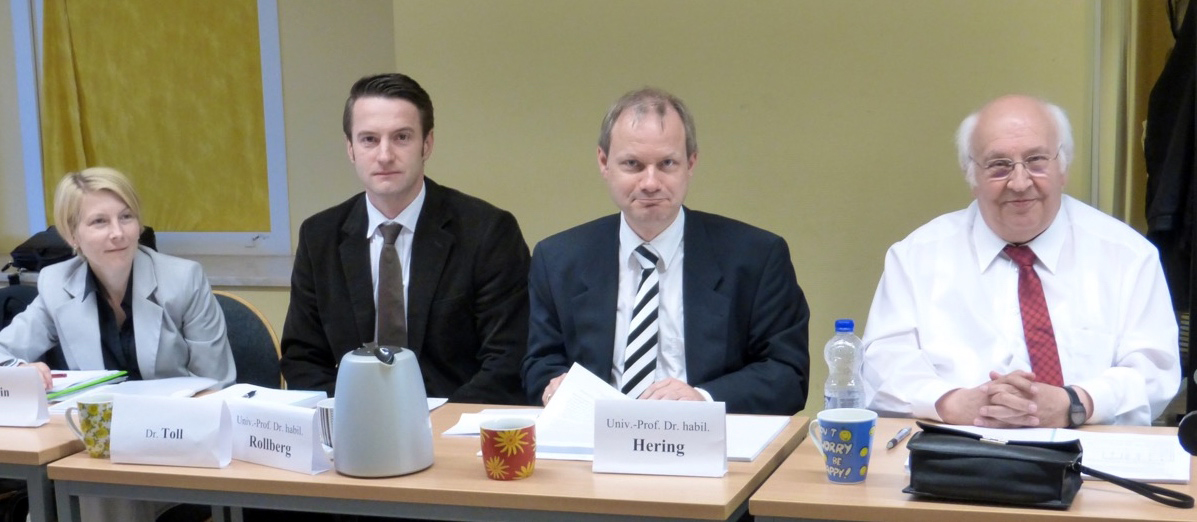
(568, 419)
(467, 425)
(168, 387)
(302, 398)
(72, 377)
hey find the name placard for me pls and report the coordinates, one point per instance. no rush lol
(276, 435)
(170, 431)
(22, 398)
(660, 437)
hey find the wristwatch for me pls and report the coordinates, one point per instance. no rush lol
(1076, 409)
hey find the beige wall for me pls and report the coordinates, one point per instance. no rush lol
(829, 123)
(325, 47)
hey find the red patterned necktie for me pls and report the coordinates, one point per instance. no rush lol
(1036, 321)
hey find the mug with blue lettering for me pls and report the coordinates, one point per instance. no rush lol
(844, 436)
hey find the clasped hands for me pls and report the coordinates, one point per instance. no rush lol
(665, 389)
(1013, 400)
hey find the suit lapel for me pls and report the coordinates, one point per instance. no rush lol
(595, 304)
(355, 263)
(429, 251)
(147, 314)
(705, 308)
(79, 323)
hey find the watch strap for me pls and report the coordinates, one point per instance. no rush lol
(1074, 406)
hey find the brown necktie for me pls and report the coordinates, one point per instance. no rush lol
(392, 320)
(1036, 321)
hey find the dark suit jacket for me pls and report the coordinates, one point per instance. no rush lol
(467, 303)
(745, 323)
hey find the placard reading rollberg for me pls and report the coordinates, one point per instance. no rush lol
(276, 435)
(660, 438)
(171, 431)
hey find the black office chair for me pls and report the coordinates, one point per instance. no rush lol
(13, 300)
(254, 343)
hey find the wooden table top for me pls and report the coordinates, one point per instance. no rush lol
(38, 446)
(800, 489)
(457, 478)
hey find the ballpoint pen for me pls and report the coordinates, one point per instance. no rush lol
(250, 395)
(902, 433)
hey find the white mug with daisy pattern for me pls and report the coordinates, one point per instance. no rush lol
(94, 423)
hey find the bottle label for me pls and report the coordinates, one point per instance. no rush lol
(843, 400)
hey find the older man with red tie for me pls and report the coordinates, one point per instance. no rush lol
(1027, 308)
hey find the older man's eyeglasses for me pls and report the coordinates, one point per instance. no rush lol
(1000, 169)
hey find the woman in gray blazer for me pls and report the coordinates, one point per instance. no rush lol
(117, 305)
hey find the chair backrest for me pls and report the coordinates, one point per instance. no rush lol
(13, 300)
(254, 343)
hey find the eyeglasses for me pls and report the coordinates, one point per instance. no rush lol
(1001, 169)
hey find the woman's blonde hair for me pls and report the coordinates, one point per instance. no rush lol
(68, 197)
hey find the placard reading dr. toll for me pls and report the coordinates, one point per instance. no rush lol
(170, 431)
(276, 435)
(660, 437)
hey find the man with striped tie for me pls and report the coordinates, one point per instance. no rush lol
(665, 302)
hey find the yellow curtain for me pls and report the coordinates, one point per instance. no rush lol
(170, 93)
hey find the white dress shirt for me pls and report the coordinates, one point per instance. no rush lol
(407, 218)
(946, 312)
(671, 347)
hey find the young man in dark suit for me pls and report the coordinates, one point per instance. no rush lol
(711, 312)
(462, 300)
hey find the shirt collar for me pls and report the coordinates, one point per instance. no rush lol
(1047, 246)
(1050, 243)
(667, 243)
(407, 218)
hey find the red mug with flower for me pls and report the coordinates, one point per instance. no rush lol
(508, 448)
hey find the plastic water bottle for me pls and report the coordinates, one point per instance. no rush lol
(845, 355)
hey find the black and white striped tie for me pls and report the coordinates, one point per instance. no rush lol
(640, 355)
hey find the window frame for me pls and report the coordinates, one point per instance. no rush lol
(27, 16)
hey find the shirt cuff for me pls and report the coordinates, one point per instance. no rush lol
(922, 404)
(705, 394)
(1102, 396)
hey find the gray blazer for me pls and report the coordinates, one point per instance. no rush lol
(179, 326)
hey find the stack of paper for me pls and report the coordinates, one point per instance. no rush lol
(67, 383)
(565, 428)
(170, 386)
(302, 398)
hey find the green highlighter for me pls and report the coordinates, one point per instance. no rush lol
(87, 384)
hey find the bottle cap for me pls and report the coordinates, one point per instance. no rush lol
(844, 325)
